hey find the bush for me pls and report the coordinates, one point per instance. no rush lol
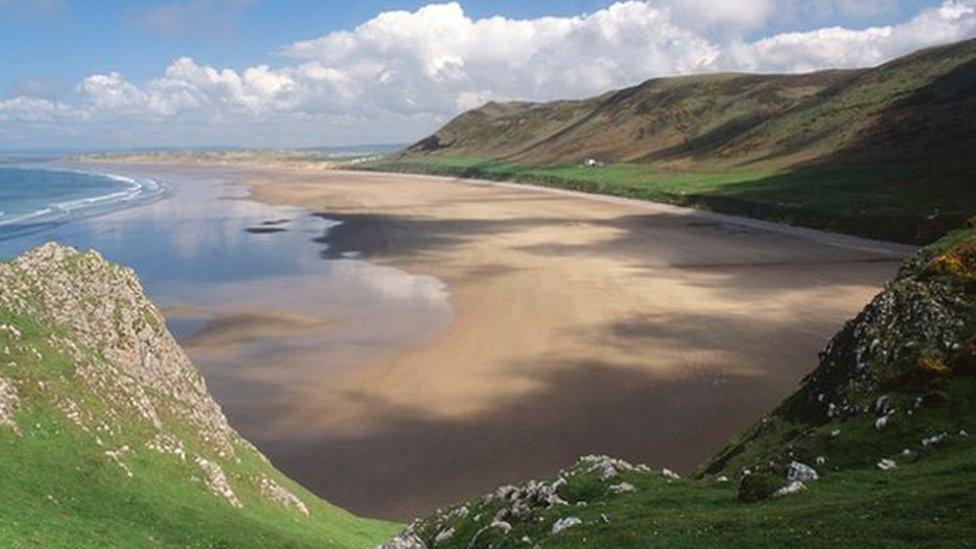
(759, 486)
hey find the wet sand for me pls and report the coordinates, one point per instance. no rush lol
(580, 326)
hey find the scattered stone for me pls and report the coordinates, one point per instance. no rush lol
(505, 527)
(116, 456)
(799, 471)
(564, 523)
(881, 422)
(216, 481)
(835, 433)
(668, 473)
(9, 403)
(790, 488)
(444, 536)
(882, 405)
(722, 478)
(933, 441)
(166, 444)
(607, 467)
(278, 494)
(622, 488)
(405, 540)
(820, 460)
(130, 358)
(887, 464)
(963, 433)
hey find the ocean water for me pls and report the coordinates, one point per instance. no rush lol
(34, 199)
(250, 289)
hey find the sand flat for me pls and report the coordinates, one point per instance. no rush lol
(580, 325)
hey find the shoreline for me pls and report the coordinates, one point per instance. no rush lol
(583, 324)
(818, 235)
(130, 192)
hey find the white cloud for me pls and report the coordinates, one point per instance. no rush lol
(35, 109)
(846, 48)
(399, 74)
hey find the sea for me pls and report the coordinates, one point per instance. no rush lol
(32, 200)
(251, 290)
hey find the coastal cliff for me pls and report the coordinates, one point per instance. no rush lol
(873, 448)
(109, 434)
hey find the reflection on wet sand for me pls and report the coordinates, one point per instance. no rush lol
(580, 326)
(420, 340)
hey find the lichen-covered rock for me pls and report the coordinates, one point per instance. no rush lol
(215, 479)
(564, 523)
(276, 493)
(167, 444)
(622, 488)
(910, 341)
(9, 403)
(791, 488)
(102, 307)
(800, 472)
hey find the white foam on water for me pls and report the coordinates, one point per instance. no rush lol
(136, 191)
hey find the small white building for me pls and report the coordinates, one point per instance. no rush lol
(592, 163)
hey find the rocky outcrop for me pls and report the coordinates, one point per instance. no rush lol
(886, 378)
(908, 338)
(129, 365)
(216, 481)
(278, 494)
(883, 372)
(103, 308)
(490, 520)
(9, 402)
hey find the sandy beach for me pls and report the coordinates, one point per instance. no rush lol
(579, 326)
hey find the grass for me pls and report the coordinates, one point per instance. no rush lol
(60, 489)
(924, 387)
(928, 499)
(928, 502)
(886, 202)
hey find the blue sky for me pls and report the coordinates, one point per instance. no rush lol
(119, 74)
(63, 42)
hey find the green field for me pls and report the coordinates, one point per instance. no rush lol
(886, 201)
(869, 152)
(897, 383)
(77, 457)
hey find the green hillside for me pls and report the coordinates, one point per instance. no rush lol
(874, 449)
(869, 152)
(108, 437)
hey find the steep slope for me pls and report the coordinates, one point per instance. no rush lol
(873, 449)
(109, 436)
(664, 118)
(872, 152)
(919, 103)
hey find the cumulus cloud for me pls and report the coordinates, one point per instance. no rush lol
(846, 48)
(400, 73)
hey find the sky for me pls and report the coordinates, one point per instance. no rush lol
(108, 74)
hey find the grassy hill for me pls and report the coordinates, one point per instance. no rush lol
(868, 152)
(873, 449)
(109, 438)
